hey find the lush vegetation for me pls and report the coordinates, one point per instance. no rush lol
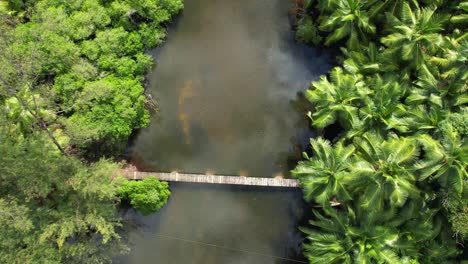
(54, 209)
(71, 92)
(398, 168)
(146, 196)
(84, 62)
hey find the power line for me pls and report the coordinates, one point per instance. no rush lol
(228, 248)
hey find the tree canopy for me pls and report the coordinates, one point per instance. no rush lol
(71, 92)
(146, 196)
(397, 170)
(55, 209)
(88, 58)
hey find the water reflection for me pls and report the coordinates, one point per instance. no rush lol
(218, 224)
(229, 85)
(224, 82)
(185, 94)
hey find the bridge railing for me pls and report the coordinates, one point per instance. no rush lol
(212, 179)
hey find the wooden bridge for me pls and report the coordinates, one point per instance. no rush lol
(212, 179)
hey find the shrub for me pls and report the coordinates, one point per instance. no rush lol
(146, 196)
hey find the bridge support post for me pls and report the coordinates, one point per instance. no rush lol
(175, 175)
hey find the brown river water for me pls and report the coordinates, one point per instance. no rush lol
(227, 83)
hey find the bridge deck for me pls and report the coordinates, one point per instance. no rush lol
(213, 179)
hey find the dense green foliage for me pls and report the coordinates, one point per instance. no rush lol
(54, 209)
(398, 167)
(146, 196)
(70, 83)
(88, 58)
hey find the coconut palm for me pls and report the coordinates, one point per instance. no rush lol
(460, 17)
(368, 60)
(323, 175)
(425, 89)
(421, 233)
(362, 62)
(422, 118)
(325, 6)
(445, 160)
(384, 173)
(451, 76)
(380, 109)
(335, 100)
(349, 19)
(401, 103)
(443, 86)
(393, 7)
(352, 237)
(416, 37)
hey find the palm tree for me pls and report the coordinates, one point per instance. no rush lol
(380, 109)
(393, 7)
(368, 60)
(443, 83)
(416, 37)
(323, 176)
(460, 17)
(348, 20)
(422, 118)
(426, 89)
(357, 105)
(445, 160)
(421, 233)
(451, 77)
(335, 99)
(362, 62)
(384, 173)
(325, 6)
(352, 237)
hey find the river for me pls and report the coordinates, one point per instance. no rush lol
(228, 85)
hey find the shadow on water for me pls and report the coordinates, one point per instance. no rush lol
(299, 142)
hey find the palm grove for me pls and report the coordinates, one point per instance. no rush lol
(71, 93)
(398, 166)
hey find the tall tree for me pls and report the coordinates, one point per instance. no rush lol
(324, 176)
(416, 35)
(335, 99)
(353, 237)
(54, 208)
(350, 20)
(18, 80)
(401, 105)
